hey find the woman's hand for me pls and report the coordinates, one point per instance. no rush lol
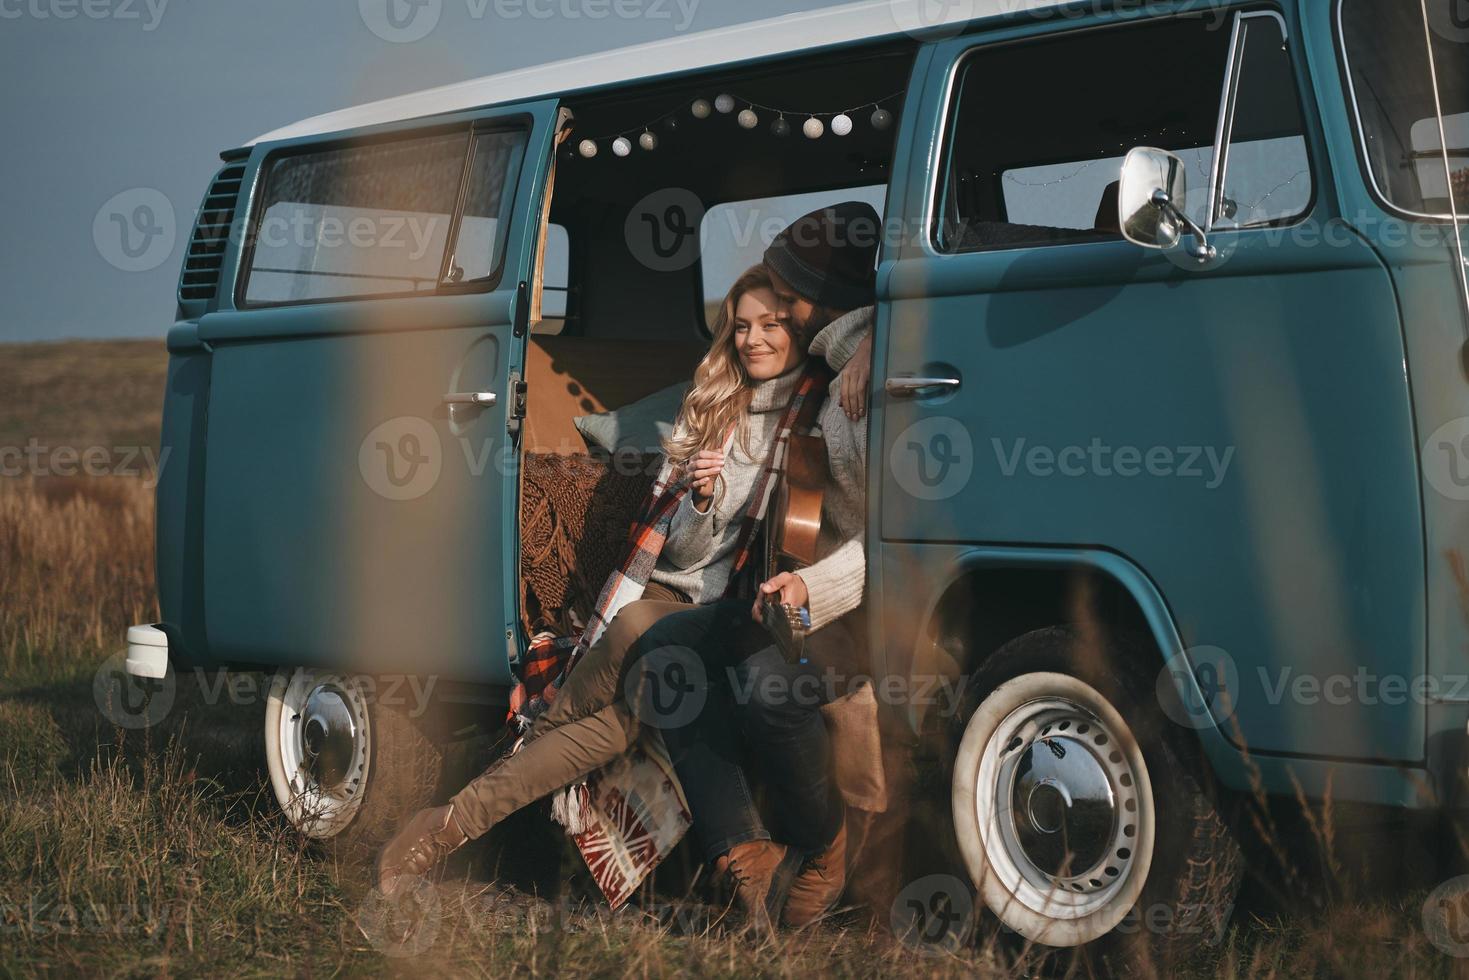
(855, 377)
(792, 591)
(703, 470)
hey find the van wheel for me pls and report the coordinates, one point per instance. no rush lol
(344, 766)
(1076, 809)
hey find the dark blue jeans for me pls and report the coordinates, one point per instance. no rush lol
(747, 689)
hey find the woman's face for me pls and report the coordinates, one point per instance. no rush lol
(762, 335)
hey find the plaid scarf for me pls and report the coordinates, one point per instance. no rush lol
(550, 659)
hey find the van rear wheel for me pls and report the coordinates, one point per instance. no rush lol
(345, 767)
(1076, 808)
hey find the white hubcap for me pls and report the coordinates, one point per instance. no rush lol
(319, 748)
(1053, 809)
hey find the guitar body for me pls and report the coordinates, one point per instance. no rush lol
(796, 513)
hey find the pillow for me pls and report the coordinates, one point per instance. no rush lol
(641, 425)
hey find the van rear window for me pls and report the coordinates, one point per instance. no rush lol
(377, 219)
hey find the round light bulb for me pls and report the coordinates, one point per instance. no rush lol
(812, 128)
(841, 124)
(587, 148)
(724, 103)
(748, 119)
(700, 109)
(780, 127)
(881, 118)
(621, 147)
(648, 141)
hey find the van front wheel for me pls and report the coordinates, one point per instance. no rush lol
(1076, 808)
(344, 765)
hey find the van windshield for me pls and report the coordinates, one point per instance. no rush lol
(1388, 47)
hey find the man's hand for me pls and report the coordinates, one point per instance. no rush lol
(703, 470)
(792, 591)
(855, 377)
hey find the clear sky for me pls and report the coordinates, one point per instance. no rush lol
(137, 97)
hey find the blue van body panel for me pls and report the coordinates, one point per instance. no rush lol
(1309, 562)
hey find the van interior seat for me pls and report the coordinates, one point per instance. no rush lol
(571, 376)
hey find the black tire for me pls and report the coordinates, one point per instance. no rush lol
(1185, 895)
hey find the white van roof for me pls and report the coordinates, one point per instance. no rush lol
(788, 33)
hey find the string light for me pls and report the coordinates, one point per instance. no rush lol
(840, 122)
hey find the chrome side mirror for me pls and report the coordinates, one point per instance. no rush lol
(1150, 202)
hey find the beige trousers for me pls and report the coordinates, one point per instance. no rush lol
(587, 725)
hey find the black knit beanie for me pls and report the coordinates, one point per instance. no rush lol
(828, 256)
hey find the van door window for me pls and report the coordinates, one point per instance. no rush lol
(492, 171)
(733, 236)
(1036, 161)
(1265, 173)
(375, 220)
(1386, 47)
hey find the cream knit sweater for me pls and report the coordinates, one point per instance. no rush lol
(699, 552)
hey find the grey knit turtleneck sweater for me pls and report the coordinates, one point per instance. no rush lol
(699, 552)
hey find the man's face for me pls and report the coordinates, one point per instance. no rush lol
(795, 307)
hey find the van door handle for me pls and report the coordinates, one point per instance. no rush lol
(908, 387)
(482, 398)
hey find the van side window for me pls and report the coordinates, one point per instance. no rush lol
(1397, 110)
(734, 235)
(1033, 157)
(375, 219)
(1265, 172)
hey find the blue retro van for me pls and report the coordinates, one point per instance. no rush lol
(1169, 421)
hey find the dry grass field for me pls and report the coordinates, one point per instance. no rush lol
(159, 852)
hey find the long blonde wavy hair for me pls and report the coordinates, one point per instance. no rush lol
(722, 390)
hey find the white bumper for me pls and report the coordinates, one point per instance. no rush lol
(147, 652)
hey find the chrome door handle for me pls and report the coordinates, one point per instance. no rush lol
(482, 398)
(908, 387)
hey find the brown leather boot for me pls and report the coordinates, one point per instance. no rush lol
(428, 837)
(820, 883)
(761, 872)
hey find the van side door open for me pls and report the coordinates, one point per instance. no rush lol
(360, 470)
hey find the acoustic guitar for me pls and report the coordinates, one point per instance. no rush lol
(792, 526)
